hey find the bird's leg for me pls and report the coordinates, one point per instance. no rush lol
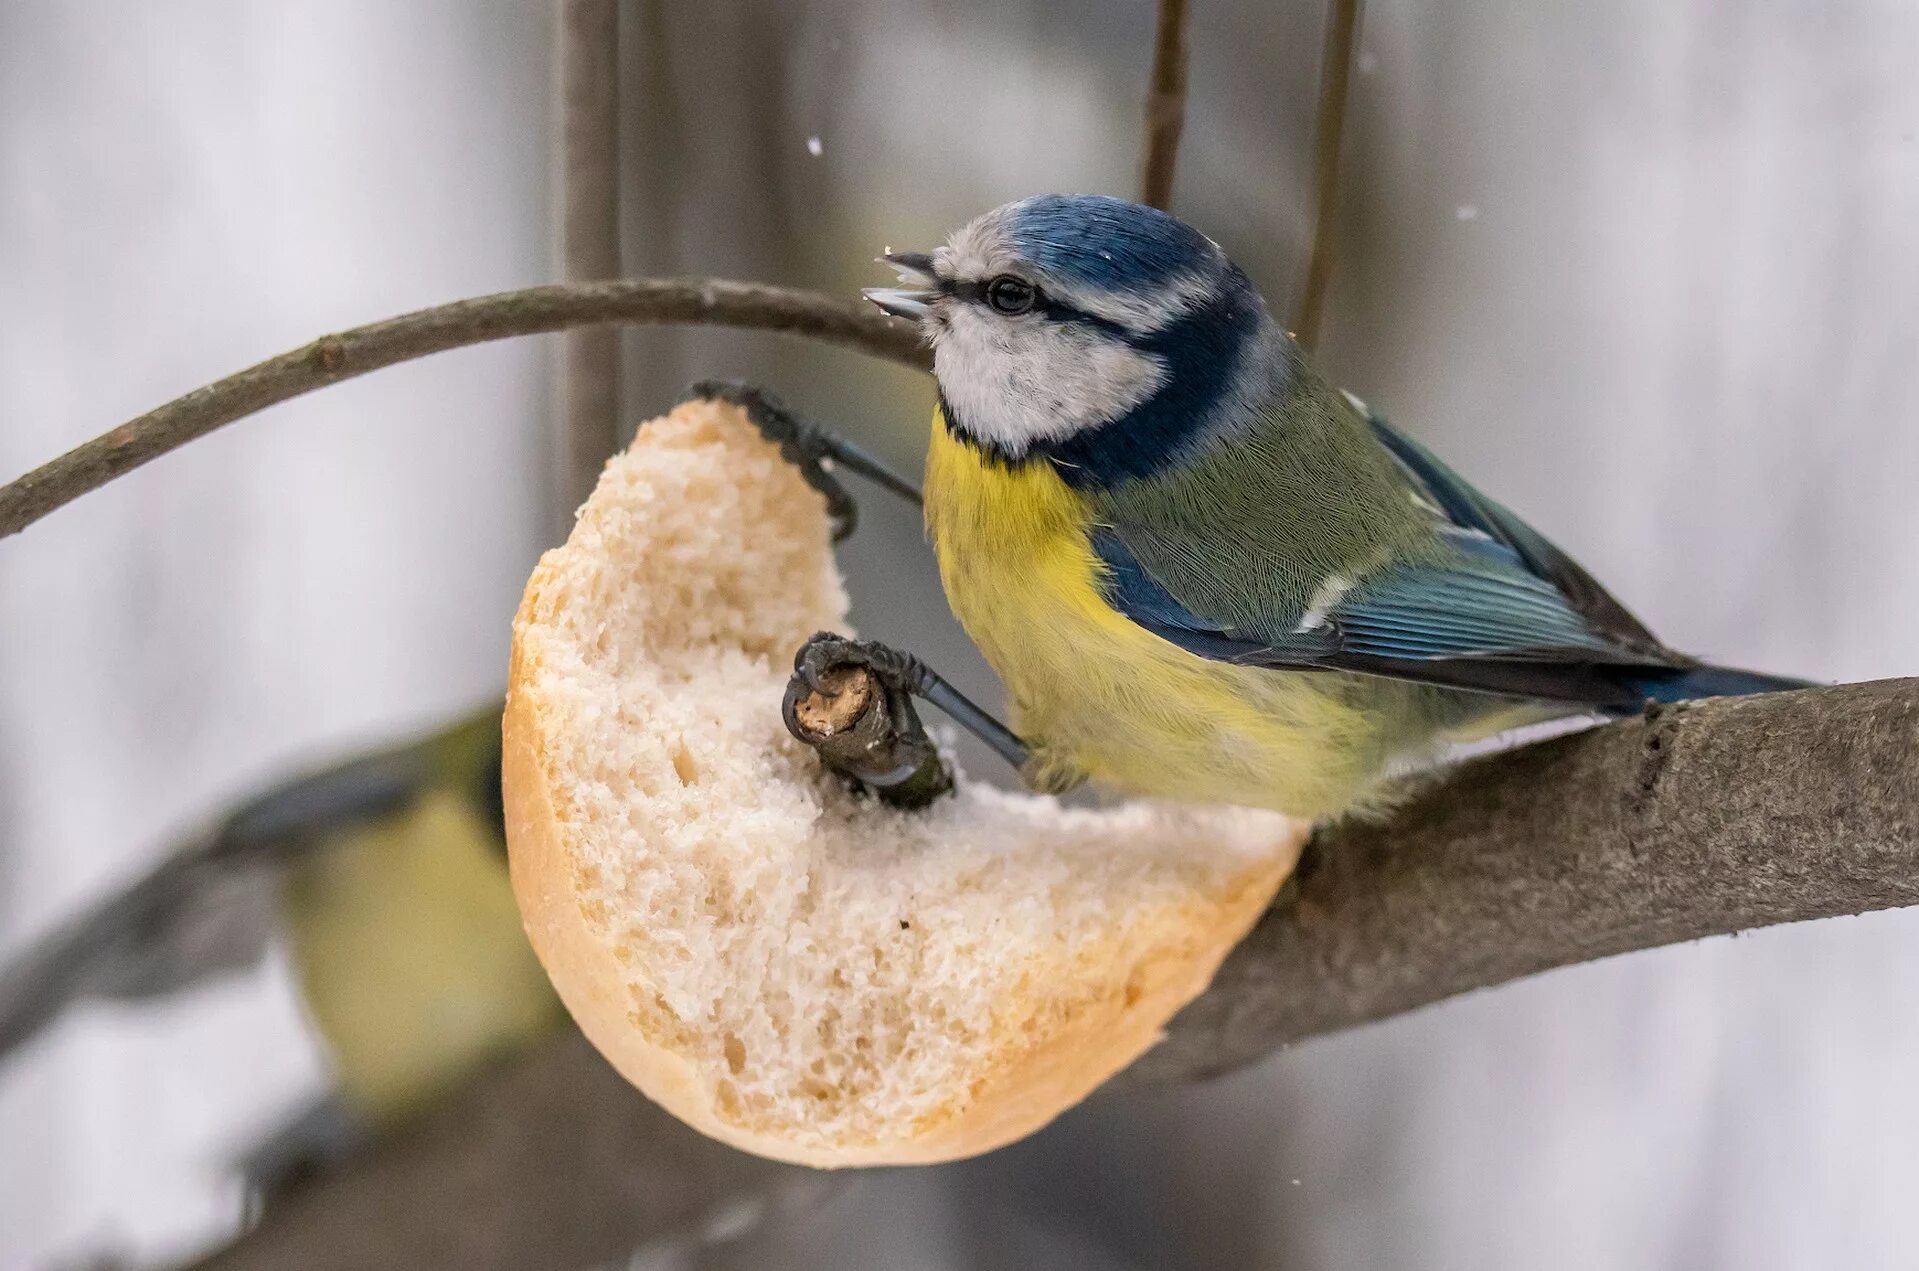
(867, 731)
(824, 659)
(810, 448)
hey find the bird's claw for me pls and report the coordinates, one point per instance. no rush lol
(1047, 772)
(825, 655)
(801, 444)
(852, 702)
(822, 667)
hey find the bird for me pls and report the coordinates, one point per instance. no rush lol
(1199, 569)
(386, 876)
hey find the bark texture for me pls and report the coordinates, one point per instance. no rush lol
(1690, 821)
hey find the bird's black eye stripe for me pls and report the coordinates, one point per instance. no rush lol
(978, 292)
(1003, 293)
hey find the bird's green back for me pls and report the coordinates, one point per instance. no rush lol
(1249, 527)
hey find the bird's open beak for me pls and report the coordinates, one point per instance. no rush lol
(915, 300)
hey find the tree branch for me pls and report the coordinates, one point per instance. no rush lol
(1335, 79)
(589, 419)
(332, 358)
(550, 1163)
(1165, 105)
(1690, 822)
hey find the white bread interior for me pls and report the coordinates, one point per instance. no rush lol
(786, 966)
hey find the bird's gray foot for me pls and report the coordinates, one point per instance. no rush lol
(814, 450)
(826, 657)
(1049, 772)
(853, 704)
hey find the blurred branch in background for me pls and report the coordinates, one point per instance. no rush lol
(1165, 105)
(1329, 128)
(533, 311)
(1166, 120)
(589, 421)
(202, 911)
(1689, 822)
(549, 1163)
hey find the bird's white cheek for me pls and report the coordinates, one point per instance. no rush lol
(1012, 383)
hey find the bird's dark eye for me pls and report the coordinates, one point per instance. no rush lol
(1011, 295)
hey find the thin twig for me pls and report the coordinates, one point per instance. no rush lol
(589, 420)
(332, 358)
(1165, 105)
(1335, 80)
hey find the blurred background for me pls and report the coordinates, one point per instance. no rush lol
(1648, 271)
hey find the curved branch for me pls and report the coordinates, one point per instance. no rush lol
(332, 358)
(1165, 105)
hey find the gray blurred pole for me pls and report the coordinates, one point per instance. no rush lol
(1165, 105)
(588, 424)
(1329, 128)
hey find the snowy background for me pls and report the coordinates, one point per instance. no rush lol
(1647, 271)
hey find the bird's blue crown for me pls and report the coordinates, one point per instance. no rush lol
(1108, 244)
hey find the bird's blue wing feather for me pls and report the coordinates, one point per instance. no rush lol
(1464, 631)
(1502, 610)
(1470, 510)
(1411, 611)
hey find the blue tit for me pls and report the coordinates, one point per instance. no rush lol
(404, 934)
(1200, 571)
(386, 875)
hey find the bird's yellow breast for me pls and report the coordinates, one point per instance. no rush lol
(1096, 693)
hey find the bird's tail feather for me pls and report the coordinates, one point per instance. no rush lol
(1713, 681)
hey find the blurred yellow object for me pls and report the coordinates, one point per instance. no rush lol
(386, 874)
(410, 956)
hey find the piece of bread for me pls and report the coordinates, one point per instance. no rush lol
(787, 966)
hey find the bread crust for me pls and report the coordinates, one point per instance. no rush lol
(1028, 1080)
